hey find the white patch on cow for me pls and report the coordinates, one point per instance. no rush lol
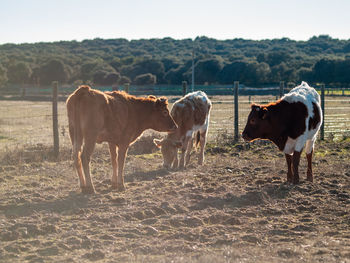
(181, 105)
(200, 128)
(198, 94)
(306, 95)
(290, 146)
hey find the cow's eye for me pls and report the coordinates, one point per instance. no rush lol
(165, 113)
(252, 121)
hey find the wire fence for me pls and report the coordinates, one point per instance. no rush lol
(26, 117)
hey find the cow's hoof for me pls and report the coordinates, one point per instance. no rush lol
(290, 178)
(119, 188)
(88, 190)
(295, 181)
(310, 179)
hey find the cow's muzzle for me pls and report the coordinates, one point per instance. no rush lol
(246, 137)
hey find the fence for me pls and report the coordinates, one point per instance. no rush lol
(31, 119)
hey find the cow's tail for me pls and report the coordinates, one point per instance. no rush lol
(75, 132)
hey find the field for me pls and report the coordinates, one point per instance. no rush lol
(236, 208)
(29, 123)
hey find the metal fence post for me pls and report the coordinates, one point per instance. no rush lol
(322, 108)
(236, 134)
(281, 88)
(55, 119)
(126, 87)
(184, 88)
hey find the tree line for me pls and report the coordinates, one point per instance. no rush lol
(169, 61)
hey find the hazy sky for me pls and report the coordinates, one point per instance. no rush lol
(50, 20)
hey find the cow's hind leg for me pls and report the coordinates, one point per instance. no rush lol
(76, 154)
(289, 165)
(114, 155)
(309, 149)
(202, 141)
(183, 151)
(296, 160)
(122, 152)
(188, 151)
(88, 148)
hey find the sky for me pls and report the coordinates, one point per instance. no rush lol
(30, 21)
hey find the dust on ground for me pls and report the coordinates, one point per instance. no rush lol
(236, 208)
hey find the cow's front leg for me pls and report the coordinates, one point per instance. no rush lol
(113, 152)
(289, 165)
(183, 151)
(122, 151)
(175, 163)
(296, 160)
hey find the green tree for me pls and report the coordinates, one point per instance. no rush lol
(53, 70)
(3, 76)
(145, 79)
(207, 70)
(19, 73)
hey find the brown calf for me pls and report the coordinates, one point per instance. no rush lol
(191, 114)
(292, 123)
(114, 117)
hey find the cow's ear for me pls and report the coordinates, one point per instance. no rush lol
(255, 107)
(158, 143)
(162, 101)
(177, 144)
(152, 97)
(264, 113)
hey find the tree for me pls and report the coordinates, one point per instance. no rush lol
(324, 71)
(232, 72)
(112, 78)
(53, 70)
(207, 70)
(153, 66)
(3, 76)
(19, 73)
(102, 77)
(145, 79)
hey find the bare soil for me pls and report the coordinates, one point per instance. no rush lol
(236, 208)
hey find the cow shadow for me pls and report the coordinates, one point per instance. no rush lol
(254, 197)
(69, 204)
(146, 175)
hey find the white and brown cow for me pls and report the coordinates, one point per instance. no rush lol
(114, 117)
(292, 123)
(191, 114)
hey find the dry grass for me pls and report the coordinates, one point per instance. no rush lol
(28, 124)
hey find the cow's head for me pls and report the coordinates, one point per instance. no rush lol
(169, 151)
(258, 124)
(161, 119)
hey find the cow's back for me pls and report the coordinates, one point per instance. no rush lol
(193, 109)
(306, 95)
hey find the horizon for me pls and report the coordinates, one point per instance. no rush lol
(39, 21)
(160, 38)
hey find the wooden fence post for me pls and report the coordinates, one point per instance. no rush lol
(126, 87)
(322, 108)
(281, 88)
(236, 132)
(55, 119)
(184, 88)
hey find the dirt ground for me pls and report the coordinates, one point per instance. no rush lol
(236, 208)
